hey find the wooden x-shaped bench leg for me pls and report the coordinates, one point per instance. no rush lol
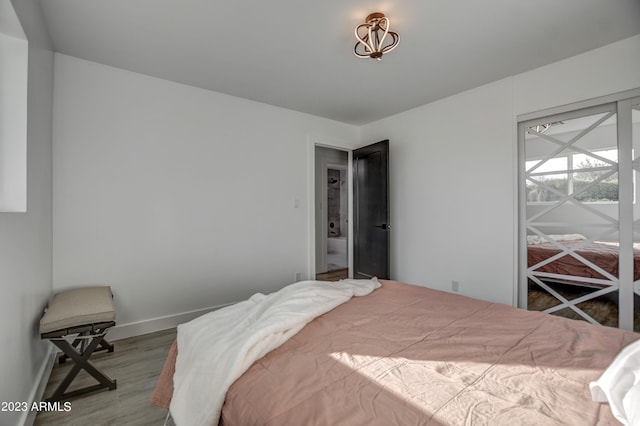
(82, 362)
(104, 346)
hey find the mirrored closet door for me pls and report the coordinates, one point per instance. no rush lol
(635, 135)
(579, 226)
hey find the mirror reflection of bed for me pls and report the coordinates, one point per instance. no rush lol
(572, 279)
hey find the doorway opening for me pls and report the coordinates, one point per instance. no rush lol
(332, 185)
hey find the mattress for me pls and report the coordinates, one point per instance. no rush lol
(409, 355)
(604, 255)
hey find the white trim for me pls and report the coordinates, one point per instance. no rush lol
(625, 214)
(311, 207)
(157, 324)
(312, 142)
(515, 155)
(37, 391)
(321, 246)
(521, 283)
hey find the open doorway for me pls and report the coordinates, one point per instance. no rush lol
(331, 213)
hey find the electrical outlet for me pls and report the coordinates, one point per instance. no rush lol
(298, 276)
(455, 286)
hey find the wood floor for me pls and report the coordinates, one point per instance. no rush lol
(336, 275)
(135, 364)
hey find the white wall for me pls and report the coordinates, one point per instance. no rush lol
(14, 54)
(451, 184)
(453, 170)
(25, 238)
(182, 199)
(179, 198)
(609, 69)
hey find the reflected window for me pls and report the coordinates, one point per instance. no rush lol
(593, 178)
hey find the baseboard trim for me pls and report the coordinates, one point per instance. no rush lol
(37, 392)
(152, 325)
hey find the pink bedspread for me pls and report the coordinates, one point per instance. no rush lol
(605, 255)
(408, 355)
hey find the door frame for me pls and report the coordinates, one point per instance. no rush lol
(341, 145)
(325, 212)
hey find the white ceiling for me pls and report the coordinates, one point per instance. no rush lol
(298, 54)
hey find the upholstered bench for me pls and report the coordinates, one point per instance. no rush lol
(84, 315)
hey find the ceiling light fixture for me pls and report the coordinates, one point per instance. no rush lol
(372, 37)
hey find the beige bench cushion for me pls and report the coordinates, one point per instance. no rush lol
(80, 306)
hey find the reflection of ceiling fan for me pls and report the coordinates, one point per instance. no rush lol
(541, 128)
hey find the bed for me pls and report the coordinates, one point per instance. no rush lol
(409, 355)
(571, 270)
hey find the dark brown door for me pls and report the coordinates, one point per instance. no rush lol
(371, 211)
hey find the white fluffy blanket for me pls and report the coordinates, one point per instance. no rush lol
(619, 385)
(216, 348)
